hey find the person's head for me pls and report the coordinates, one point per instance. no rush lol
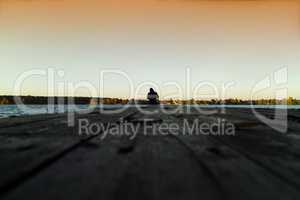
(151, 90)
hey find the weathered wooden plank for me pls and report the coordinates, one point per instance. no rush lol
(26, 149)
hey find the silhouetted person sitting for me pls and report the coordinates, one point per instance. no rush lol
(153, 97)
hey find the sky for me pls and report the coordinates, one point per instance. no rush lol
(171, 45)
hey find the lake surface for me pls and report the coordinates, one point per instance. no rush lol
(14, 110)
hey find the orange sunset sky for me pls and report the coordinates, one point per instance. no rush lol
(151, 40)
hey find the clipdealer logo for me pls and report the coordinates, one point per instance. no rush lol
(278, 81)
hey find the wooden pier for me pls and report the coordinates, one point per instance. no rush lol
(41, 157)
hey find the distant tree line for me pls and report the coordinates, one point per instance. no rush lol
(42, 100)
(289, 101)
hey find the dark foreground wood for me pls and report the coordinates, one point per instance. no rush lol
(42, 158)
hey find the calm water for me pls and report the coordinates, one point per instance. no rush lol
(13, 110)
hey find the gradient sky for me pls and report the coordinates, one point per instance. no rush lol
(151, 40)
